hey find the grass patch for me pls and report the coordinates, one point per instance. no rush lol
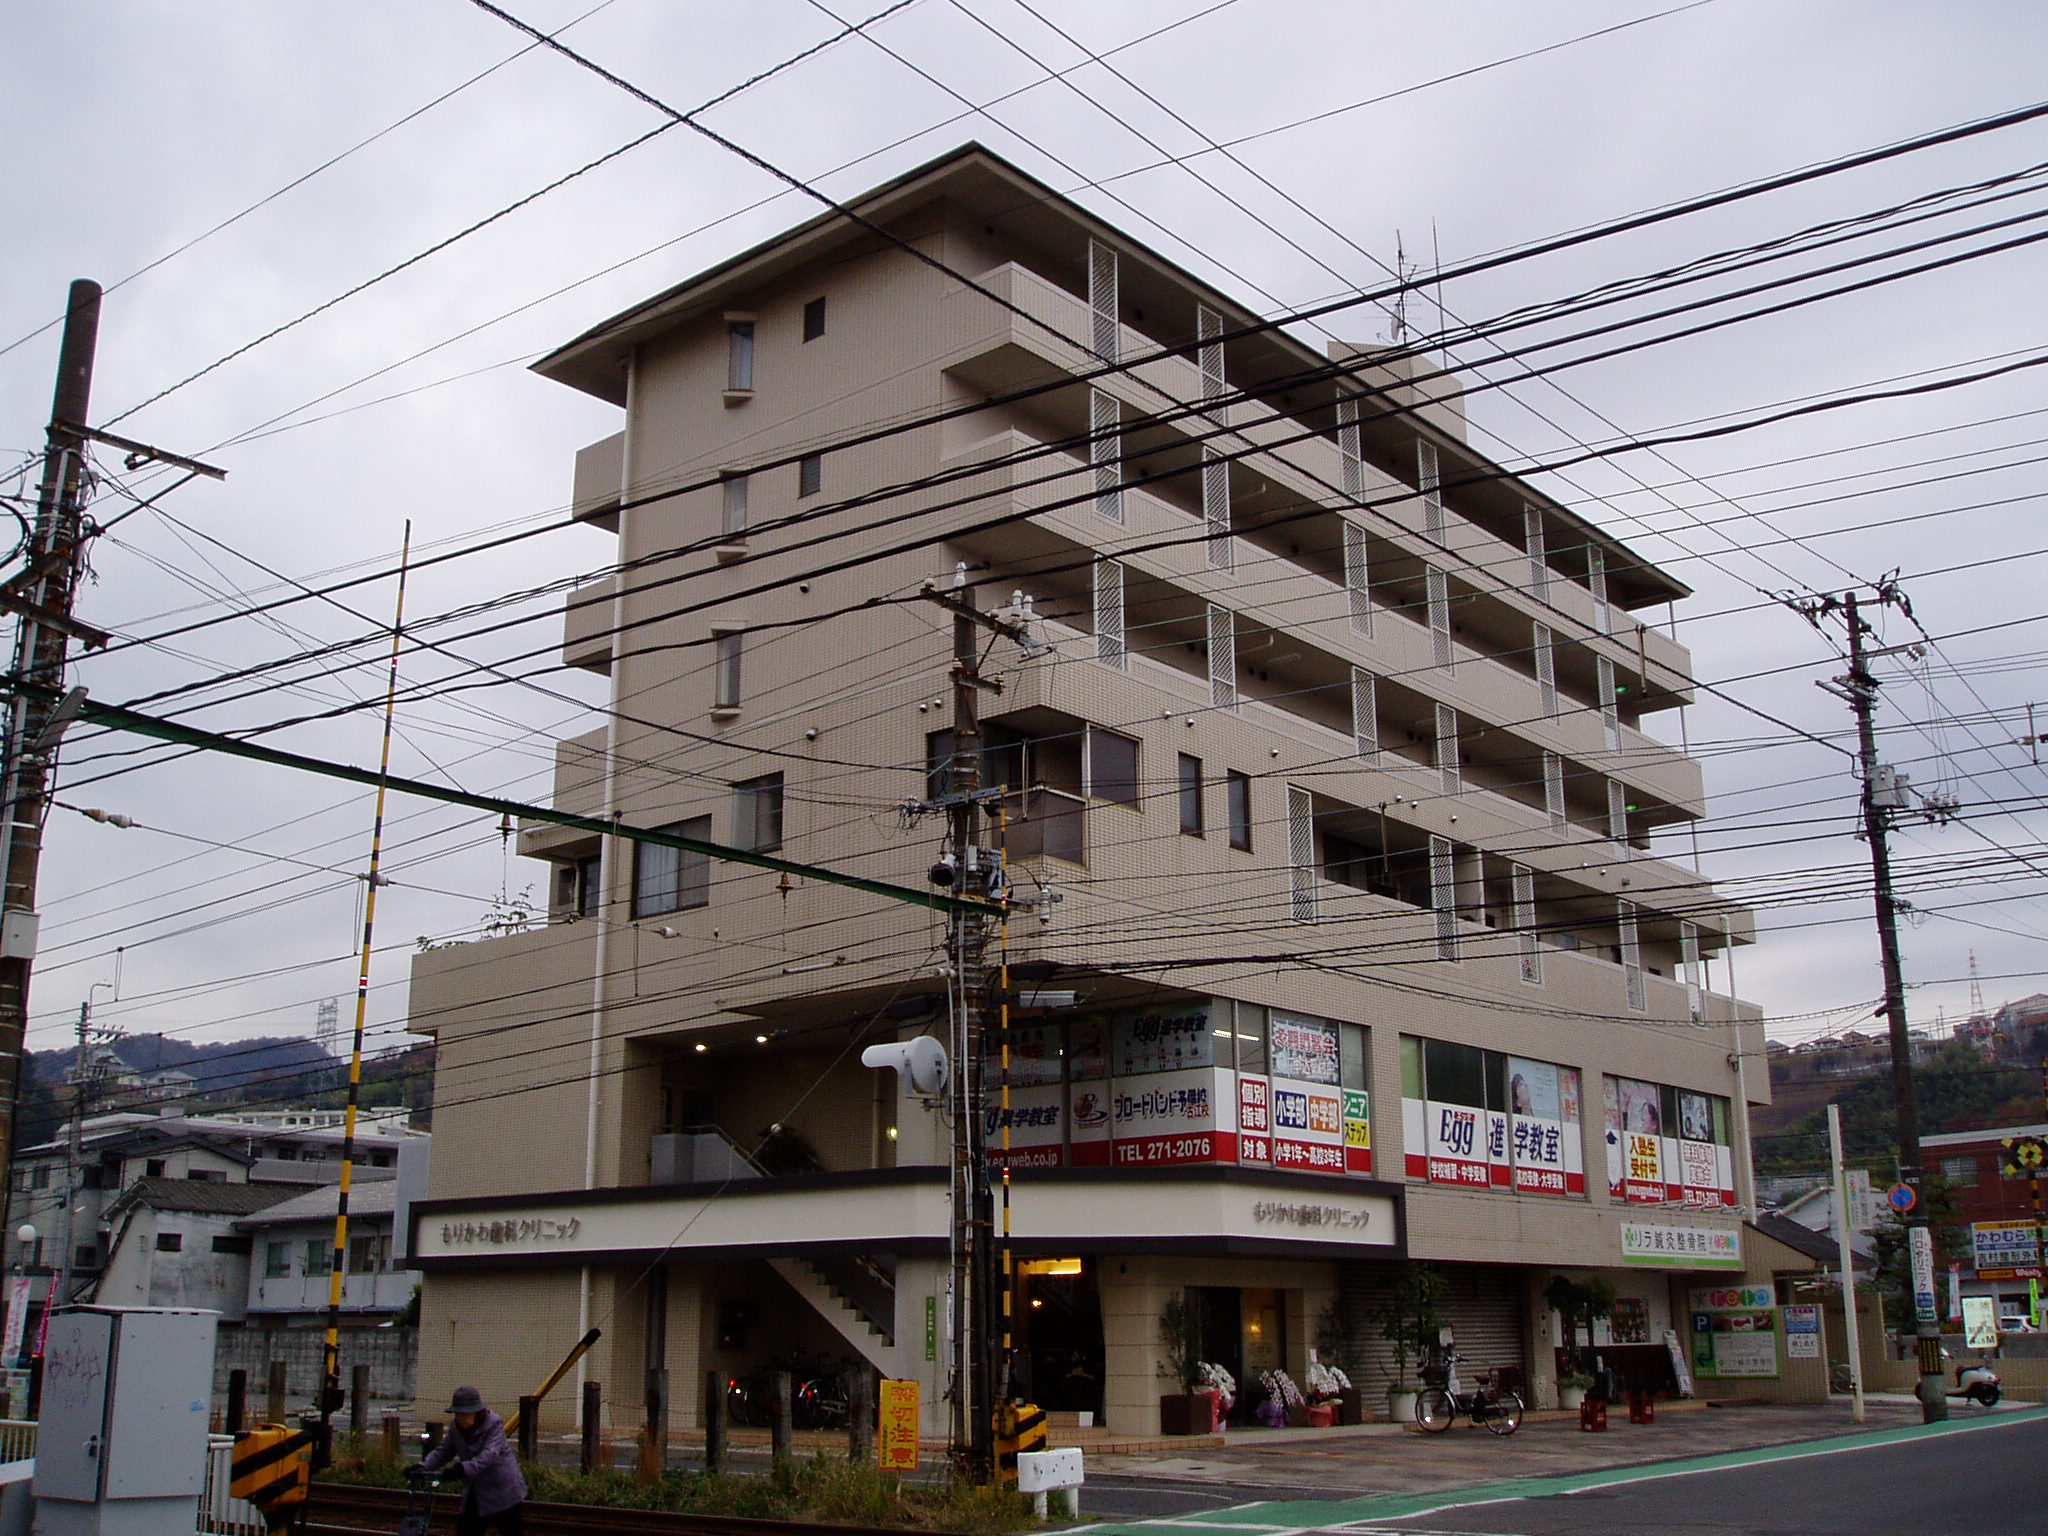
(823, 1488)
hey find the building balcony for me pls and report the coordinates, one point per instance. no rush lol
(587, 627)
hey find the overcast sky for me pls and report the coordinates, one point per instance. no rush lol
(137, 129)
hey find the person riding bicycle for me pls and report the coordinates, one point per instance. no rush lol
(476, 1447)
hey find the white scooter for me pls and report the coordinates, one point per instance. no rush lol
(1978, 1383)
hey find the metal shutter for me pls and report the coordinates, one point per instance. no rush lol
(1546, 667)
(1216, 509)
(1432, 497)
(1438, 585)
(1109, 614)
(1102, 300)
(1632, 958)
(1365, 716)
(1532, 540)
(1356, 581)
(1553, 792)
(1350, 453)
(1523, 883)
(1483, 1308)
(1596, 583)
(1447, 750)
(1443, 896)
(1222, 658)
(1610, 705)
(1301, 852)
(1617, 811)
(1105, 451)
(1209, 356)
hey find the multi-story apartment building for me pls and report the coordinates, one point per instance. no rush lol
(1329, 738)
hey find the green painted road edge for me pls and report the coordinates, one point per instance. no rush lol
(1284, 1517)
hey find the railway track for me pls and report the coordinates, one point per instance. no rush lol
(341, 1509)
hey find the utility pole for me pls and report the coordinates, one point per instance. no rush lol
(84, 1076)
(1883, 797)
(41, 637)
(972, 871)
(1845, 1228)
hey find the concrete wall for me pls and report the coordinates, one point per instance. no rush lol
(392, 1354)
(138, 1275)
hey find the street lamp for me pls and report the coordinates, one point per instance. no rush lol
(25, 1236)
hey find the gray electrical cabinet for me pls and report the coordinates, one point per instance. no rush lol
(127, 1393)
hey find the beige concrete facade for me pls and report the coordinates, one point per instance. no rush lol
(1395, 781)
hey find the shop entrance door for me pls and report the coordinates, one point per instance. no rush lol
(1244, 1330)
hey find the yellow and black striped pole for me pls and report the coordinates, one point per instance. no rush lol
(330, 1369)
(1003, 1036)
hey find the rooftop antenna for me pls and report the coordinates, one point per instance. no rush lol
(1398, 332)
(1976, 991)
(1443, 321)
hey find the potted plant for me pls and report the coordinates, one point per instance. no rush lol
(1411, 1320)
(1572, 1387)
(1336, 1339)
(1284, 1403)
(1579, 1303)
(1326, 1388)
(1190, 1410)
(1221, 1385)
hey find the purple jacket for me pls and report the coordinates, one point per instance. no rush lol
(486, 1459)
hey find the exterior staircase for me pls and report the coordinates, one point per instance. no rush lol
(856, 1295)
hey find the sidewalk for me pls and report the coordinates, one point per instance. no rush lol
(1388, 1458)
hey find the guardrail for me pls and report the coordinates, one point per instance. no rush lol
(17, 1439)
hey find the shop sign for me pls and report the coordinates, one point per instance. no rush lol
(1311, 1214)
(1543, 1128)
(1802, 1332)
(1035, 1121)
(1165, 1118)
(1254, 1120)
(1980, 1322)
(1457, 1146)
(896, 1426)
(1735, 1331)
(1668, 1247)
(1162, 1042)
(1304, 1049)
(1357, 1131)
(1308, 1129)
(510, 1229)
(2005, 1250)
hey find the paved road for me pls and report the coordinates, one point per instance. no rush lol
(1981, 1476)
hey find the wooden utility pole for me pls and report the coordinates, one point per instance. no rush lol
(42, 595)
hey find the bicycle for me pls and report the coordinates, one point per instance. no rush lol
(1440, 1402)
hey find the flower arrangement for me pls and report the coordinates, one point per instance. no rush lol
(1212, 1377)
(1280, 1388)
(1326, 1382)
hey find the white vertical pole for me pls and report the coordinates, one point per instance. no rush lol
(1848, 1261)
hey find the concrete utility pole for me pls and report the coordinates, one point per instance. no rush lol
(1845, 1228)
(1884, 796)
(976, 872)
(41, 595)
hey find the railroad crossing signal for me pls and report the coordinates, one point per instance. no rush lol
(2023, 1157)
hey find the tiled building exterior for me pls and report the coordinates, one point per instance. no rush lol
(1330, 743)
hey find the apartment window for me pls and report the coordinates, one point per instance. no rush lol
(40, 1179)
(810, 474)
(672, 879)
(1237, 802)
(277, 1260)
(319, 1256)
(576, 887)
(1190, 795)
(739, 356)
(87, 1255)
(1959, 1171)
(368, 1255)
(814, 319)
(725, 681)
(732, 515)
(1112, 766)
(757, 813)
(170, 1242)
(152, 1168)
(233, 1244)
(206, 1175)
(93, 1177)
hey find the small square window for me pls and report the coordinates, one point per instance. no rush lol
(1112, 766)
(170, 1242)
(757, 813)
(88, 1256)
(319, 1256)
(1237, 795)
(732, 519)
(233, 1244)
(814, 319)
(1190, 778)
(739, 356)
(153, 1168)
(671, 879)
(810, 474)
(277, 1260)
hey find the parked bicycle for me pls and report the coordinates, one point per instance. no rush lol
(1440, 1402)
(817, 1390)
